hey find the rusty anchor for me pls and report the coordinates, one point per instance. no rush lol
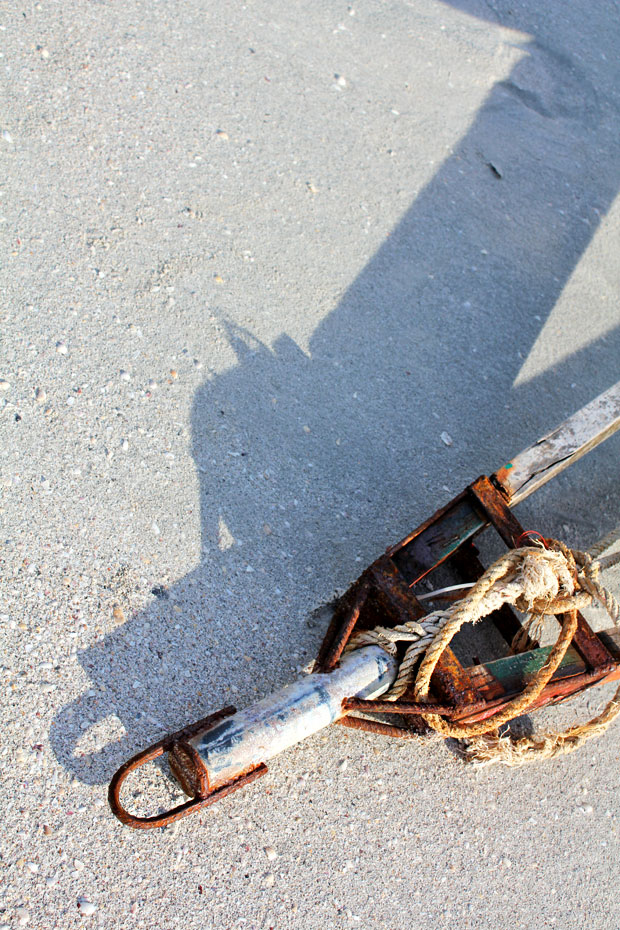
(228, 750)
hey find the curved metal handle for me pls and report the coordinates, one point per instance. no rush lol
(182, 810)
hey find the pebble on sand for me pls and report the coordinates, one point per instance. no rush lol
(86, 908)
(4, 385)
(270, 853)
(446, 438)
(61, 348)
(118, 613)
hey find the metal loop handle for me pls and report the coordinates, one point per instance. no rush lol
(182, 810)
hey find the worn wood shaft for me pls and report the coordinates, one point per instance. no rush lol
(537, 464)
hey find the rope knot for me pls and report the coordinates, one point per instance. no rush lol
(543, 577)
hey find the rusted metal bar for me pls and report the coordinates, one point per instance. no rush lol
(339, 642)
(496, 510)
(377, 728)
(395, 596)
(408, 707)
(339, 630)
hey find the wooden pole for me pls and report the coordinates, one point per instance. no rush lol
(536, 465)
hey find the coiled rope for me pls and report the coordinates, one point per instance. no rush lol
(541, 580)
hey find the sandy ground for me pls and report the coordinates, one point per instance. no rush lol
(256, 259)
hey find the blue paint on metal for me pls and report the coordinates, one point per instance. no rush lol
(259, 732)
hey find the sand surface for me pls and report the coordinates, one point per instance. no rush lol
(256, 259)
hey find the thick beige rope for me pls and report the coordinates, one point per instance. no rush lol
(492, 748)
(538, 581)
(606, 543)
(420, 635)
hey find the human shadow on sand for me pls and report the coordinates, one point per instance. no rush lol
(308, 462)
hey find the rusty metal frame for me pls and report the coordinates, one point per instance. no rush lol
(385, 594)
